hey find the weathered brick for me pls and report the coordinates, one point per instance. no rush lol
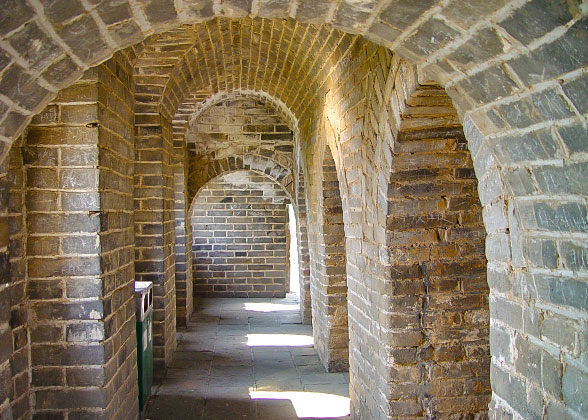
(574, 388)
(540, 17)
(557, 57)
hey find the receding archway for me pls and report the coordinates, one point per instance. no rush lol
(238, 223)
(513, 98)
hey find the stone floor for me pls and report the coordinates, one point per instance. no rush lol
(248, 359)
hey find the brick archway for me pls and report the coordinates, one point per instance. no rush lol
(260, 164)
(239, 236)
(519, 90)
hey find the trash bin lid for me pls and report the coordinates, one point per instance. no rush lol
(140, 286)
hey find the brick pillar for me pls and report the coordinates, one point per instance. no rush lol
(154, 225)
(437, 325)
(329, 282)
(15, 350)
(79, 167)
(303, 253)
(183, 236)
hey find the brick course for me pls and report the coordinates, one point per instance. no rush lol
(239, 233)
(515, 71)
(78, 160)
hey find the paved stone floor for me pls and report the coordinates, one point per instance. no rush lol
(247, 359)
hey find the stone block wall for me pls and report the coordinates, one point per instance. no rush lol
(239, 237)
(439, 318)
(15, 350)
(155, 216)
(78, 159)
(328, 275)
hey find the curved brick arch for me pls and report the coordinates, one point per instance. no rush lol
(218, 97)
(458, 48)
(260, 164)
(240, 241)
(190, 110)
(520, 90)
(202, 71)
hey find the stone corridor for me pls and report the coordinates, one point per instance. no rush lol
(434, 154)
(248, 359)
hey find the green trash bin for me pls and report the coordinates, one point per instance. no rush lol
(144, 301)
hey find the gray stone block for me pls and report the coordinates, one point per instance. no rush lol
(430, 37)
(577, 91)
(575, 138)
(565, 54)
(575, 389)
(540, 17)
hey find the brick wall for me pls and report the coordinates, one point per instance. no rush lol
(15, 356)
(78, 160)
(328, 279)
(155, 216)
(239, 235)
(236, 127)
(439, 315)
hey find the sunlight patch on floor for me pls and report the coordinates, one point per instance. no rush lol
(280, 340)
(270, 307)
(309, 404)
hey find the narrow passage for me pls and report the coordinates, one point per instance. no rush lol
(248, 359)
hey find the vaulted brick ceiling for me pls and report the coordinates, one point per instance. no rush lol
(288, 60)
(471, 47)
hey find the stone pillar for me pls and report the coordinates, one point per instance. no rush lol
(78, 159)
(329, 280)
(154, 225)
(14, 316)
(183, 236)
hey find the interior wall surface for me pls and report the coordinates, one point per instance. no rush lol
(78, 155)
(239, 237)
(15, 356)
(516, 71)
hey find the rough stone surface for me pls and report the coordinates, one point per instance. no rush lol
(239, 228)
(523, 110)
(80, 248)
